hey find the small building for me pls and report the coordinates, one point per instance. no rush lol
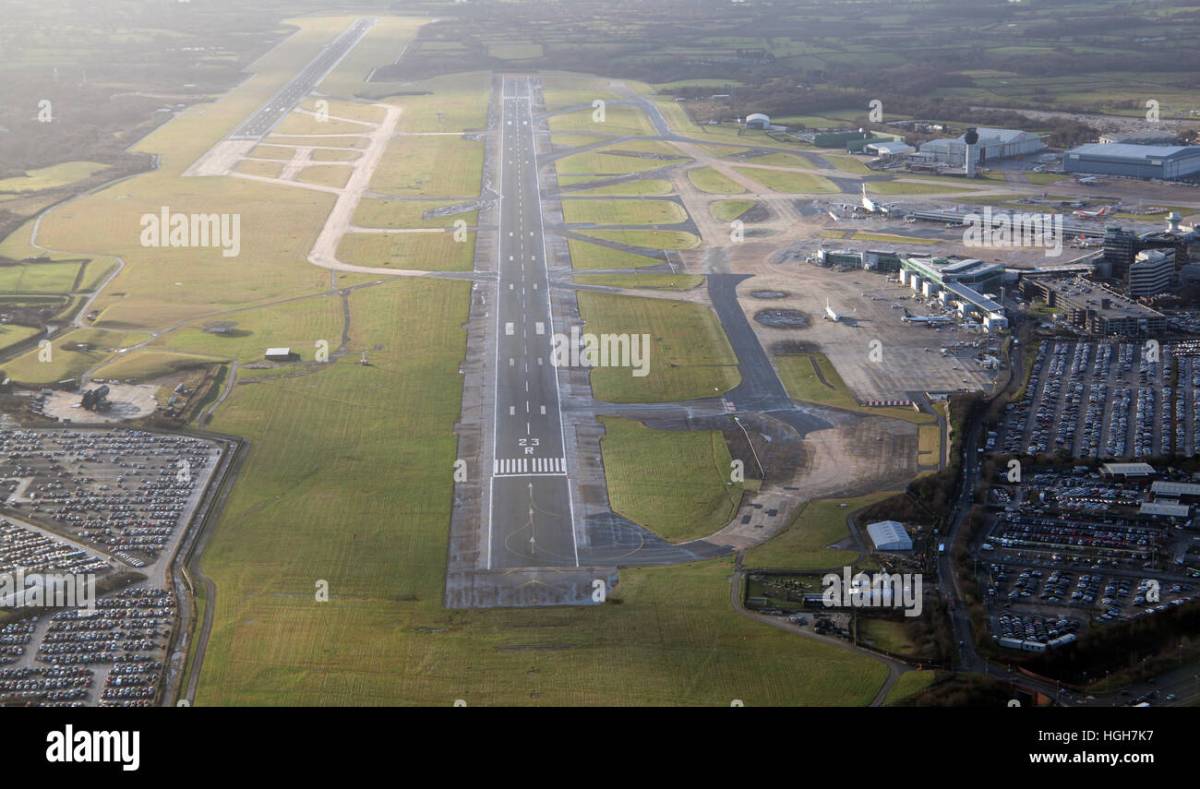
(757, 120)
(888, 148)
(889, 536)
(1188, 491)
(1128, 470)
(279, 354)
(1165, 509)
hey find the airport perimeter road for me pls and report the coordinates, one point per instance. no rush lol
(531, 515)
(302, 84)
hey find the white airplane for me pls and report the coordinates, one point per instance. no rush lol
(831, 313)
(1093, 213)
(872, 207)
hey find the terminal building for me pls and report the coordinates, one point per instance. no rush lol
(958, 280)
(1165, 162)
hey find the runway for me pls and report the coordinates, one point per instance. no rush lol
(286, 99)
(530, 507)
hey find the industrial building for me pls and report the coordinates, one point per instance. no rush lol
(1165, 162)
(1141, 138)
(888, 149)
(1094, 309)
(853, 140)
(889, 536)
(1152, 273)
(993, 144)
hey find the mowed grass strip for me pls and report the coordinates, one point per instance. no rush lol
(674, 482)
(729, 210)
(689, 354)
(805, 545)
(622, 212)
(647, 239)
(585, 255)
(608, 162)
(789, 182)
(381, 212)
(335, 175)
(634, 188)
(652, 280)
(712, 181)
(418, 251)
(430, 166)
(615, 121)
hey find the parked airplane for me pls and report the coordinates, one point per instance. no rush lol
(831, 313)
(1093, 213)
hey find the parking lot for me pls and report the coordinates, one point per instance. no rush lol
(113, 503)
(1115, 400)
(1068, 550)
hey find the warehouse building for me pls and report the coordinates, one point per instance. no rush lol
(757, 120)
(993, 144)
(889, 536)
(1166, 162)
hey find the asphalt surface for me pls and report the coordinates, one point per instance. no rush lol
(291, 94)
(531, 514)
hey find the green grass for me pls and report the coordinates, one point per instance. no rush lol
(909, 684)
(708, 179)
(916, 187)
(647, 239)
(618, 121)
(805, 544)
(455, 102)
(143, 365)
(789, 182)
(585, 255)
(51, 177)
(623, 212)
(603, 162)
(335, 175)
(63, 363)
(649, 280)
(11, 334)
(729, 210)
(430, 166)
(690, 356)
(380, 212)
(419, 251)
(635, 188)
(674, 482)
(802, 382)
(39, 278)
(347, 479)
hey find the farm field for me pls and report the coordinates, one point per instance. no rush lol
(675, 483)
(689, 357)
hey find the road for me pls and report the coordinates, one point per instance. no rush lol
(530, 509)
(291, 94)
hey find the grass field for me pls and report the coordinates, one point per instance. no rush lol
(789, 182)
(635, 188)
(729, 210)
(607, 162)
(420, 251)
(585, 255)
(623, 212)
(39, 278)
(917, 187)
(617, 121)
(707, 179)
(335, 175)
(802, 382)
(272, 152)
(261, 169)
(689, 356)
(649, 280)
(675, 483)
(430, 166)
(647, 239)
(381, 212)
(51, 177)
(66, 359)
(11, 334)
(326, 155)
(909, 684)
(143, 365)
(455, 102)
(805, 544)
(348, 481)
